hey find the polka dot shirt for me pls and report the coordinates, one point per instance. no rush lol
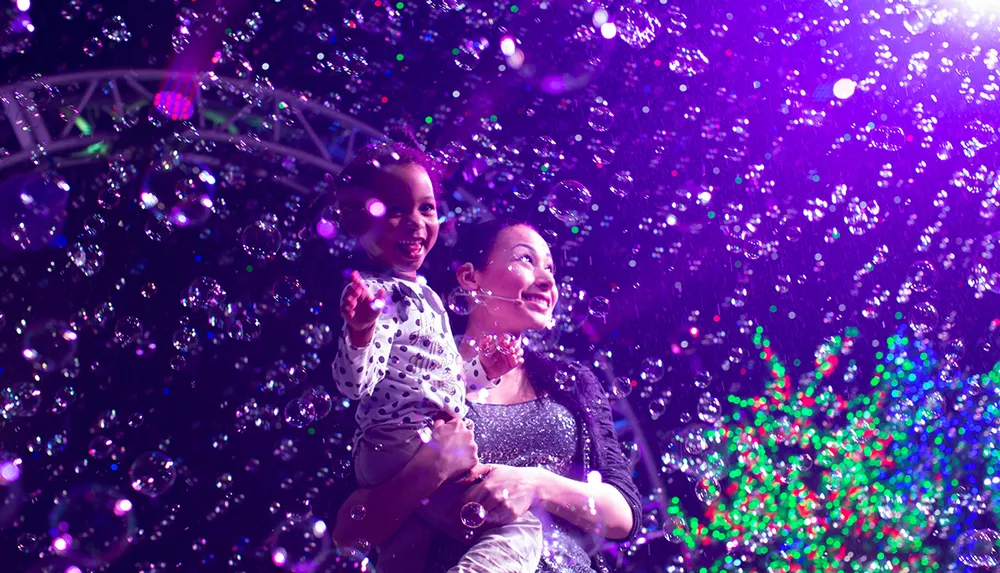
(411, 369)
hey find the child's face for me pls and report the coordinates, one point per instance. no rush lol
(404, 219)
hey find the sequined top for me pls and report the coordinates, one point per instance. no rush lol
(411, 369)
(545, 433)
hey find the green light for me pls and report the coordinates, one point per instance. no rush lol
(739, 180)
(249, 268)
(399, 57)
(574, 229)
(428, 120)
(493, 118)
(454, 51)
(513, 9)
(83, 126)
(711, 214)
(399, 5)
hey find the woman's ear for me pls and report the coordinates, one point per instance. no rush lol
(466, 275)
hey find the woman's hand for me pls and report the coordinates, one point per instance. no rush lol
(454, 446)
(505, 493)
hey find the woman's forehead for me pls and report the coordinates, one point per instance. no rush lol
(516, 235)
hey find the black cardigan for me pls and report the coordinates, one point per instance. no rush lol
(598, 447)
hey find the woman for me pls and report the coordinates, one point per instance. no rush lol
(545, 433)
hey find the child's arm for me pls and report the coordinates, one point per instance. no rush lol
(497, 356)
(363, 352)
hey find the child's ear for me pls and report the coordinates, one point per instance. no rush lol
(354, 221)
(466, 275)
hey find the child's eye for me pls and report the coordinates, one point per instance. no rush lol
(428, 207)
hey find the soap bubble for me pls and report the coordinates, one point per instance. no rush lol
(261, 240)
(21, 399)
(473, 515)
(286, 290)
(569, 201)
(922, 276)
(709, 408)
(320, 399)
(128, 329)
(27, 543)
(469, 52)
(651, 370)
(600, 119)
(88, 258)
(599, 306)
(657, 408)
(299, 544)
(461, 301)
(978, 548)
(674, 529)
(923, 318)
(523, 189)
(176, 193)
(621, 387)
(205, 293)
(152, 474)
(93, 524)
(299, 413)
(50, 345)
(621, 184)
(358, 512)
(636, 27)
(32, 210)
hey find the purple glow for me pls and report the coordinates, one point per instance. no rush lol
(61, 543)
(326, 229)
(122, 507)
(376, 208)
(844, 88)
(9, 473)
(507, 46)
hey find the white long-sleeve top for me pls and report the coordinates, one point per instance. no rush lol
(411, 369)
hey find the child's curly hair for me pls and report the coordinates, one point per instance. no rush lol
(366, 170)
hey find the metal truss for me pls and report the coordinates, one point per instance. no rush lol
(45, 112)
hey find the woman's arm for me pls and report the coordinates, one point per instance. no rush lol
(623, 515)
(594, 507)
(450, 452)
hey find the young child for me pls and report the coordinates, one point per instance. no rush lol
(397, 355)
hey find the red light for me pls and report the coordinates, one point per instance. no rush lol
(174, 105)
(385, 99)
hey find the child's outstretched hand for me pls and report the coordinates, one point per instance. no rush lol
(360, 308)
(500, 354)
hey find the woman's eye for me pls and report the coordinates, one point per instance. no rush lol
(526, 258)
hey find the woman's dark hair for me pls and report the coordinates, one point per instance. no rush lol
(548, 376)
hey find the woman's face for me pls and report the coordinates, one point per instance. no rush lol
(520, 267)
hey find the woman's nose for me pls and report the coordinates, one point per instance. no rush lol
(544, 279)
